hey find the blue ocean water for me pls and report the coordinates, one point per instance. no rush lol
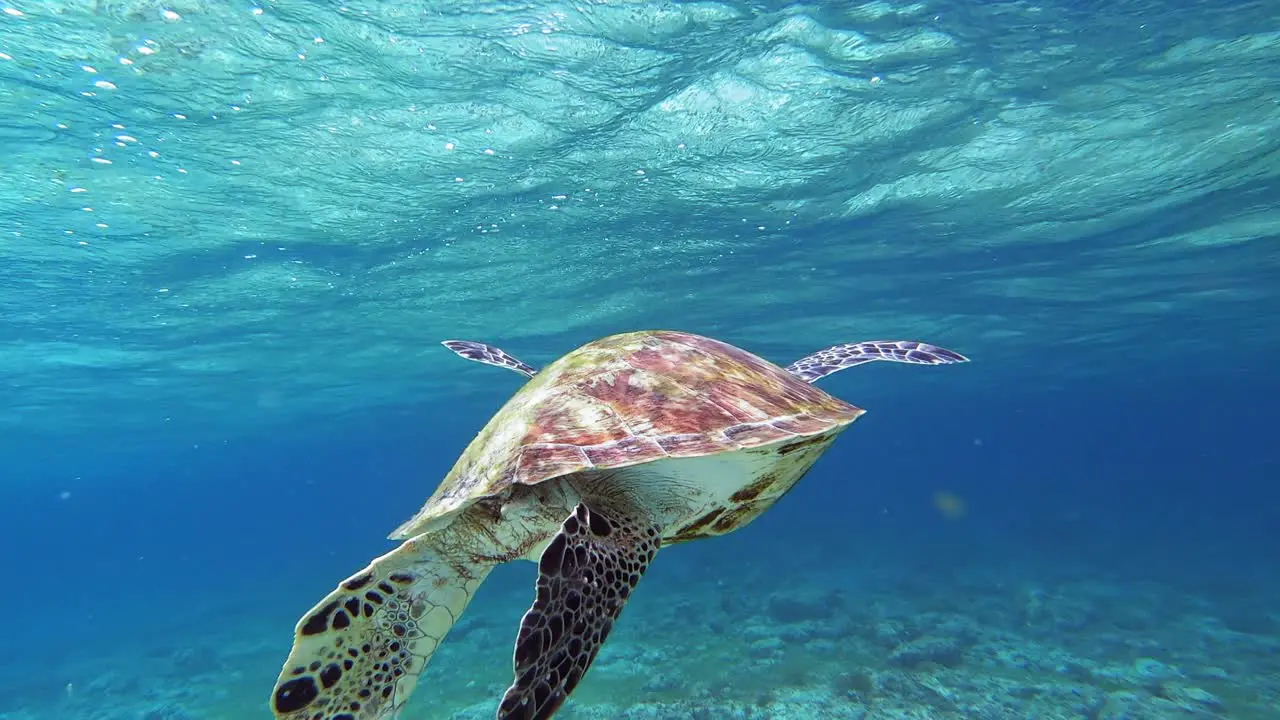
(235, 233)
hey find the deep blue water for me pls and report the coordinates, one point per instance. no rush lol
(1115, 480)
(1171, 482)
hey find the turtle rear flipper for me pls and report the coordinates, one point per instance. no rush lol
(585, 576)
(358, 652)
(816, 366)
(489, 355)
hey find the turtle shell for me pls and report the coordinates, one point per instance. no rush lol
(629, 399)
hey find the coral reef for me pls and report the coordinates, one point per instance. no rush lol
(774, 643)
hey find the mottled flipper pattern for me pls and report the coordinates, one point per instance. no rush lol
(585, 576)
(489, 355)
(839, 357)
(357, 654)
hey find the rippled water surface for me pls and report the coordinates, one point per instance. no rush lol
(201, 199)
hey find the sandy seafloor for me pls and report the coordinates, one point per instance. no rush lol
(841, 634)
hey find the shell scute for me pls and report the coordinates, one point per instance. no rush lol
(655, 361)
(694, 444)
(653, 404)
(624, 452)
(803, 424)
(546, 460)
(757, 433)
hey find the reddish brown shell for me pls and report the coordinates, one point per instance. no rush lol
(628, 399)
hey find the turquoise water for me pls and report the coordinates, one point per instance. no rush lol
(234, 234)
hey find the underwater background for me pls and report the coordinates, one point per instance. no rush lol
(234, 234)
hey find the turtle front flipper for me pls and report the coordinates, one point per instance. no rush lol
(357, 654)
(838, 357)
(489, 355)
(585, 576)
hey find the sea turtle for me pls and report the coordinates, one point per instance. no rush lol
(623, 446)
